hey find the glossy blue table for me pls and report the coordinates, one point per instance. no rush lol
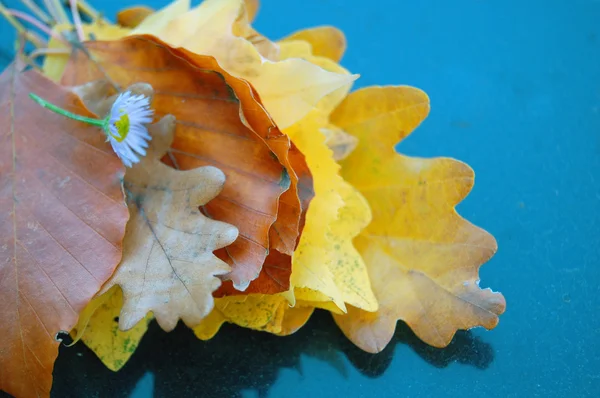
(515, 91)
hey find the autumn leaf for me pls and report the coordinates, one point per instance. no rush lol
(294, 318)
(422, 257)
(168, 266)
(252, 7)
(325, 265)
(158, 21)
(100, 332)
(133, 16)
(325, 41)
(220, 122)
(341, 143)
(63, 221)
(268, 313)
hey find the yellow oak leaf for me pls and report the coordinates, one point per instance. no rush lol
(158, 21)
(422, 257)
(340, 142)
(295, 317)
(168, 266)
(210, 325)
(269, 313)
(326, 41)
(291, 49)
(325, 266)
(100, 330)
(253, 311)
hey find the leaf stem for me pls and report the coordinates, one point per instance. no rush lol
(11, 19)
(88, 10)
(60, 13)
(70, 115)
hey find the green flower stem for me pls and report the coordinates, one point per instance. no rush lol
(70, 115)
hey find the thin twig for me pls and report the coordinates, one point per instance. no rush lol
(11, 19)
(88, 10)
(77, 20)
(36, 23)
(21, 30)
(38, 12)
(50, 8)
(37, 40)
(22, 40)
(60, 11)
(38, 52)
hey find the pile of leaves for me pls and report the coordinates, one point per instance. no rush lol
(269, 190)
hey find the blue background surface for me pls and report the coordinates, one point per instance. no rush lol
(515, 92)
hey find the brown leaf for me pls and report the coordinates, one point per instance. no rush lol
(275, 274)
(220, 122)
(63, 218)
(133, 16)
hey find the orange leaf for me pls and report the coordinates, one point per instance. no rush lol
(63, 220)
(220, 122)
(133, 16)
(422, 257)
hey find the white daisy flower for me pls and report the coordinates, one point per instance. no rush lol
(126, 127)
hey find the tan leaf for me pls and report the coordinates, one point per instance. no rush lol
(168, 265)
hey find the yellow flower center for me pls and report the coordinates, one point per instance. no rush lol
(122, 126)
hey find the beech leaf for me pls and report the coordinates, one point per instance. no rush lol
(422, 257)
(63, 219)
